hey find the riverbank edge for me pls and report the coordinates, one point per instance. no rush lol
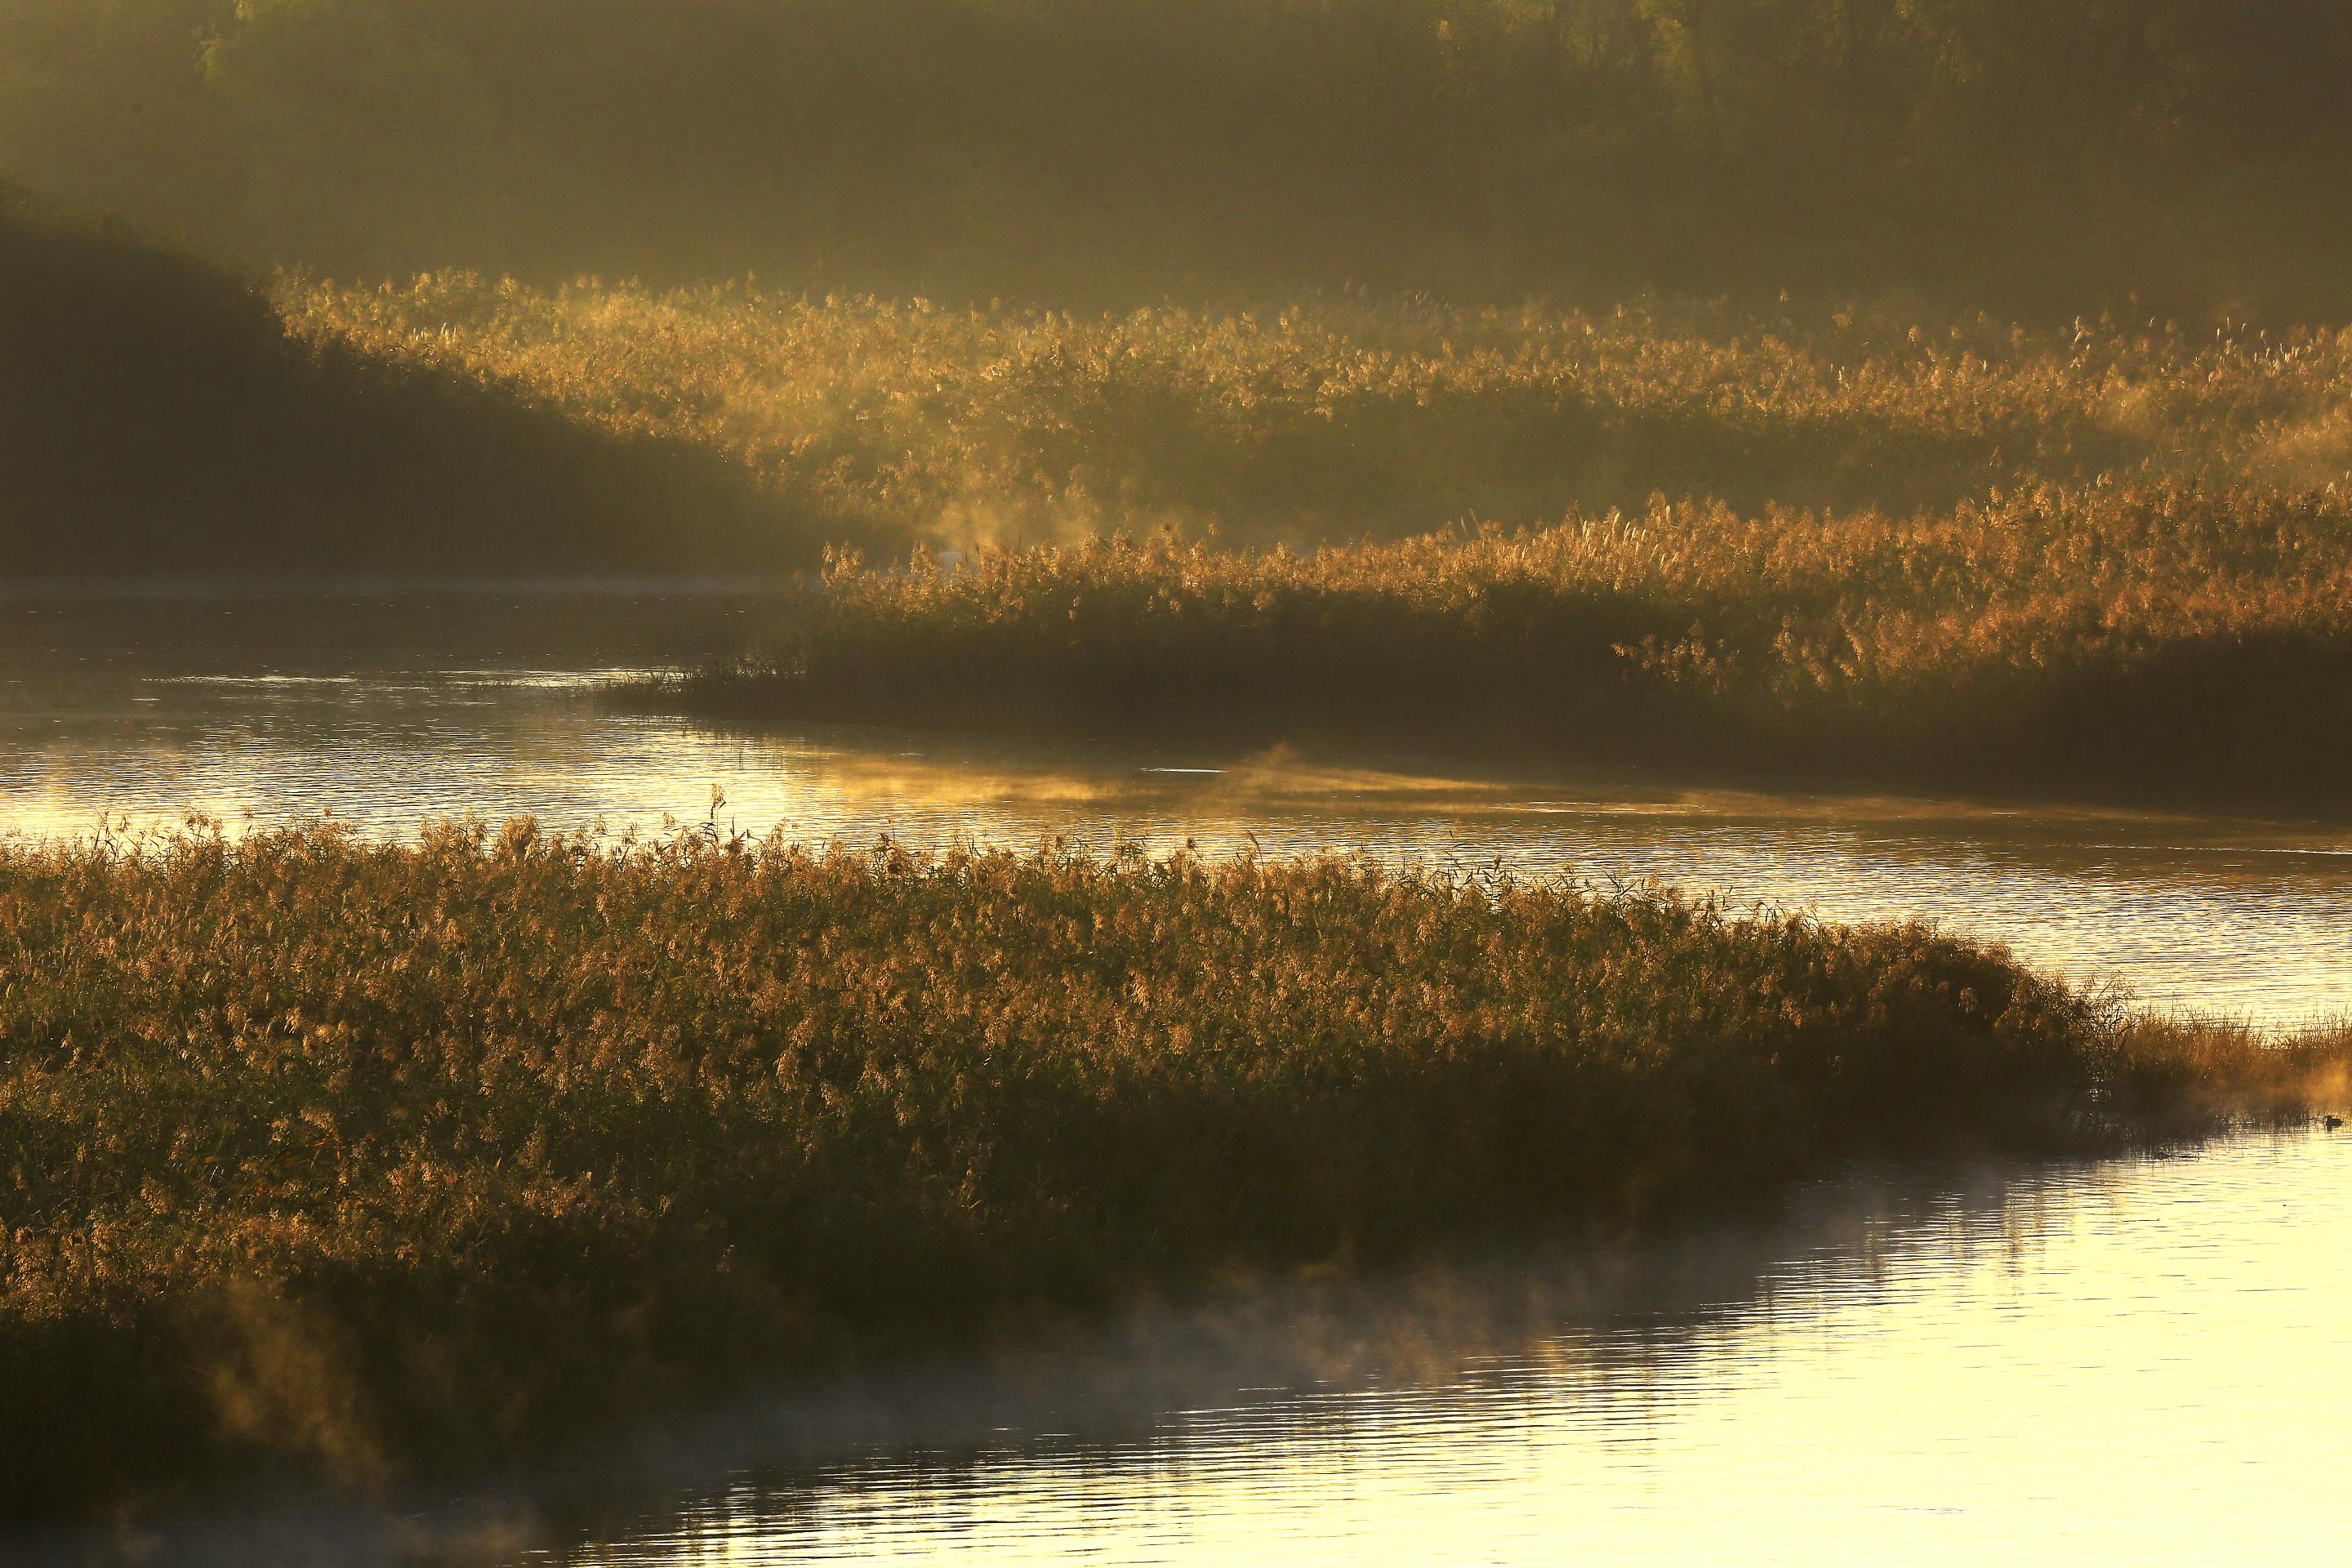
(299, 1369)
(1070, 1381)
(1475, 731)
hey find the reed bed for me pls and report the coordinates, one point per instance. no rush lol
(319, 1155)
(2155, 642)
(879, 423)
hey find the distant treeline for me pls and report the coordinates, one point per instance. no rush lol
(2016, 154)
(157, 419)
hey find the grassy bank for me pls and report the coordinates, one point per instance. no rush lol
(164, 417)
(1335, 419)
(2152, 643)
(157, 419)
(318, 1156)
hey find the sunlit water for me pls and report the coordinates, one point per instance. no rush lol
(2136, 1361)
(385, 712)
(2144, 1362)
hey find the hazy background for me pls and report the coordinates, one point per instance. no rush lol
(636, 289)
(2019, 155)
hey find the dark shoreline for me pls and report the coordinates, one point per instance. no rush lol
(2152, 644)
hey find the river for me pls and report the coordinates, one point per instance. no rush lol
(2135, 1361)
(383, 712)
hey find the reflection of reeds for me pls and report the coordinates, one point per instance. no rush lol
(2158, 640)
(1269, 779)
(339, 1153)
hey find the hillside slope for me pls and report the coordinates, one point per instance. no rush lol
(157, 419)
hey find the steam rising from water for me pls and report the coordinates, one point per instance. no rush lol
(1963, 1364)
(1543, 1376)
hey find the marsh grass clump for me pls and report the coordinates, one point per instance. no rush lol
(1331, 419)
(458, 424)
(318, 1156)
(2159, 642)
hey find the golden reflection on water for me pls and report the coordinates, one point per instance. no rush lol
(2137, 1361)
(2249, 917)
(385, 712)
(2141, 1362)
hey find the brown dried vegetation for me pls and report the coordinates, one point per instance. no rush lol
(880, 423)
(2155, 642)
(318, 1155)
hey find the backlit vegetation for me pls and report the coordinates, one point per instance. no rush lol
(323, 1158)
(321, 1155)
(2158, 642)
(878, 422)
(169, 421)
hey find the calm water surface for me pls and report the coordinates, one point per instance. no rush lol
(2141, 1360)
(385, 712)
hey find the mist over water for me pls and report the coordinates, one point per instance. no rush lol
(2022, 1365)
(2016, 1363)
(1944, 1363)
(1941, 389)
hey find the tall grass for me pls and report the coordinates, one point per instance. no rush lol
(318, 1156)
(2160, 642)
(1332, 419)
(455, 426)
